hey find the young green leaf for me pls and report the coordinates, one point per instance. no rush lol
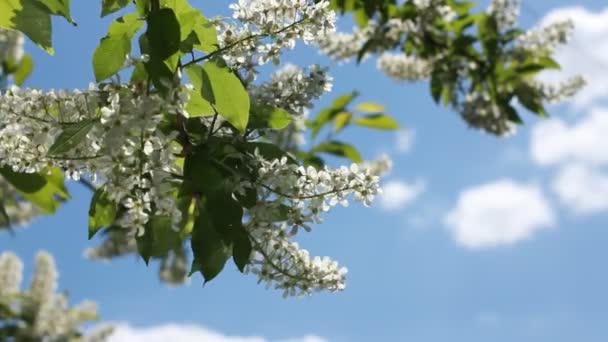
(60, 8)
(339, 149)
(341, 120)
(370, 107)
(70, 137)
(24, 69)
(263, 116)
(29, 17)
(163, 33)
(224, 90)
(102, 212)
(111, 6)
(241, 249)
(40, 189)
(159, 238)
(209, 249)
(378, 121)
(109, 57)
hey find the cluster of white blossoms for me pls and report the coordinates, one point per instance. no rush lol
(266, 27)
(39, 313)
(294, 198)
(506, 12)
(11, 45)
(404, 67)
(479, 111)
(122, 144)
(558, 92)
(546, 38)
(475, 105)
(293, 88)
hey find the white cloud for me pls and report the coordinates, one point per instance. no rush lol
(582, 188)
(498, 213)
(404, 140)
(553, 141)
(397, 194)
(187, 333)
(587, 52)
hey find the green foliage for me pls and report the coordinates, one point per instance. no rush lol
(336, 118)
(223, 90)
(209, 248)
(469, 39)
(33, 18)
(71, 136)
(264, 116)
(24, 69)
(110, 56)
(45, 190)
(378, 121)
(158, 239)
(102, 212)
(111, 6)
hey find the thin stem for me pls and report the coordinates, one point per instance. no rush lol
(303, 197)
(238, 42)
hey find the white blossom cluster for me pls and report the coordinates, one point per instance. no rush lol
(124, 146)
(11, 45)
(293, 88)
(558, 92)
(39, 313)
(546, 39)
(506, 13)
(405, 67)
(295, 198)
(479, 111)
(475, 105)
(266, 27)
(19, 210)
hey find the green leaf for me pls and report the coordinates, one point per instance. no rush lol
(163, 33)
(193, 25)
(241, 249)
(60, 8)
(24, 69)
(328, 114)
(142, 7)
(29, 17)
(488, 33)
(198, 106)
(339, 149)
(378, 121)
(24, 182)
(102, 211)
(70, 137)
(370, 107)
(529, 97)
(159, 238)
(341, 120)
(111, 6)
(5, 220)
(110, 56)
(207, 35)
(40, 189)
(264, 116)
(222, 89)
(209, 249)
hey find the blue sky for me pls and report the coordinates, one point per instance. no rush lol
(541, 277)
